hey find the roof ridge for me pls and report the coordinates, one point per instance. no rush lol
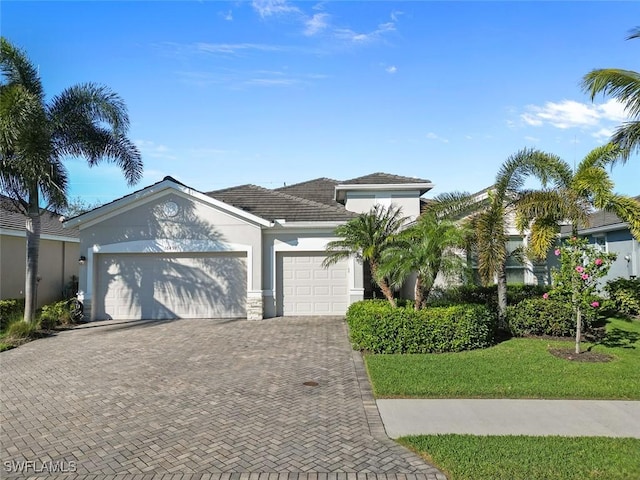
(307, 181)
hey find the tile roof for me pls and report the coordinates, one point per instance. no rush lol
(319, 190)
(12, 219)
(275, 205)
(381, 178)
(599, 219)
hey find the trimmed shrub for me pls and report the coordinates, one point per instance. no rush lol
(537, 316)
(624, 295)
(10, 310)
(377, 327)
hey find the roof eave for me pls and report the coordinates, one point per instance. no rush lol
(422, 187)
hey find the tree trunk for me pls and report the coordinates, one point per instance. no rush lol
(32, 227)
(502, 297)
(578, 328)
(417, 294)
(382, 283)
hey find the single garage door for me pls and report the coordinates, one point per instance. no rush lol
(307, 288)
(160, 286)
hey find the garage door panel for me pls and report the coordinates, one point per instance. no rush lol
(307, 288)
(132, 286)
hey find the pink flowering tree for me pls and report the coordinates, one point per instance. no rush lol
(576, 279)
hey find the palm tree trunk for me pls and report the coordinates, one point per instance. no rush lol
(382, 283)
(32, 227)
(417, 294)
(502, 297)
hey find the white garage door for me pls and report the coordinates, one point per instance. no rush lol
(160, 286)
(306, 288)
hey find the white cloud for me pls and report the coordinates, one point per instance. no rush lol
(391, 69)
(316, 24)
(234, 48)
(361, 38)
(154, 150)
(228, 16)
(603, 134)
(529, 138)
(434, 136)
(572, 114)
(267, 8)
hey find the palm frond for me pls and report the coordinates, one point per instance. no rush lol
(624, 85)
(18, 70)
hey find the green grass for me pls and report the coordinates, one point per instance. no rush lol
(517, 368)
(468, 457)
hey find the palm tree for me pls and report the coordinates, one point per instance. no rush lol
(489, 221)
(426, 249)
(577, 194)
(366, 237)
(624, 85)
(36, 135)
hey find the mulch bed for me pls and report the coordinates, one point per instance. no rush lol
(586, 356)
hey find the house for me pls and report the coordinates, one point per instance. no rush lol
(58, 259)
(612, 235)
(169, 251)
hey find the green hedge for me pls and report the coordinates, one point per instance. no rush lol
(624, 295)
(9, 310)
(376, 327)
(537, 316)
(480, 295)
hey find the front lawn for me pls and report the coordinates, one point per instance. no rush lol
(469, 457)
(516, 368)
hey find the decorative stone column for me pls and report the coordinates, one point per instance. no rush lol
(254, 306)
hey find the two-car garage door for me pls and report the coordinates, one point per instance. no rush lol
(305, 287)
(166, 285)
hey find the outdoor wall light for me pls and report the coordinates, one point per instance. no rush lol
(82, 260)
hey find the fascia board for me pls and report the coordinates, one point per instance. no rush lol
(123, 204)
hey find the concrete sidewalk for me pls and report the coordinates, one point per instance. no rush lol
(511, 417)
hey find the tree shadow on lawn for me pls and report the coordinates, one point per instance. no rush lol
(617, 338)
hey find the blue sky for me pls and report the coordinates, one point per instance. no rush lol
(273, 92)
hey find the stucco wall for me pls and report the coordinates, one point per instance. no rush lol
(300, 241)
(58, 261)
(196, 227)
(362, 201)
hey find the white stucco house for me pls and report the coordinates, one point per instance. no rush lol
(169, 251)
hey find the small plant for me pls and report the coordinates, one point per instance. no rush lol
(576, 280)
(9, 310)
(19, 330)
(624, 295)
(58, 313)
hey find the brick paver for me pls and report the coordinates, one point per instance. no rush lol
(197, 399)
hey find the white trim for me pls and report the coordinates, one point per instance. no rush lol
(43, 236)
(164, 245)
(150, 193)
(603, 229)
(342, 188)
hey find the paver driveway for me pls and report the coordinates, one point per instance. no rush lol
(197, 399)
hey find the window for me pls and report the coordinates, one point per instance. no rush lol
(600, 241)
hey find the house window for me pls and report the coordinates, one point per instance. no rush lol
(600, 241)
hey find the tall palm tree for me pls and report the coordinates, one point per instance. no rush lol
(489, 221)
(427, 248)
(36, 136)
(575, 196)
(624, 85)
(366, 237)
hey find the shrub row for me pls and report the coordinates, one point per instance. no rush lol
(624, 295)
(377, 327)
(486, 295)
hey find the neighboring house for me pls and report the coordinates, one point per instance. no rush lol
(58, 259)
(612, 235)
(520, 270)
(169, 251)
